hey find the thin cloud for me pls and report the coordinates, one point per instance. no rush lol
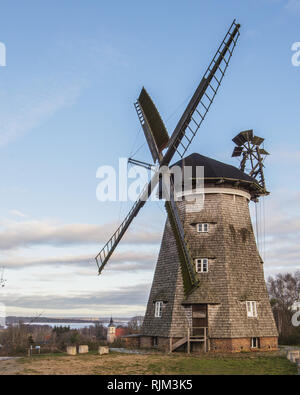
(29, 233)
(32, 112)
(120, 261)
(17, 213)
(125, 296)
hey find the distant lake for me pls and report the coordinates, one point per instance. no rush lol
(76, 325)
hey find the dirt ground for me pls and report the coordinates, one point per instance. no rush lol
(125, 364)
(76, 365)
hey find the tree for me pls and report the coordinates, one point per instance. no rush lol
(135, 323)
(30, 340)
(100, 331)
(284, 291)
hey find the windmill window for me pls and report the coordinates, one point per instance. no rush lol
(202, 228)
(254, 342)
(202, 265)
(251, 309)
(158, 309)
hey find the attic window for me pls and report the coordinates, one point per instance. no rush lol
(202, 228)
(158, 309)
(202, 265)
(251, 309)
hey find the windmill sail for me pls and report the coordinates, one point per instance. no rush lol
(186, 264)
(203, 97)
(154, 129)
(112, 243)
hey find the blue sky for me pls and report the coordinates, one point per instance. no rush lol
(74, 69)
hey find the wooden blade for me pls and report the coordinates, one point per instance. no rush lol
(154, 129)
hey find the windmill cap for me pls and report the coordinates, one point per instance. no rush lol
(213, 168)
(216, 171)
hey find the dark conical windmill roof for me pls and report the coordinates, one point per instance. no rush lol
(213, 169)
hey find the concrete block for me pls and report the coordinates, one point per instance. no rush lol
(83, 349)
(103, 350)
(292, 355)
(71, 350)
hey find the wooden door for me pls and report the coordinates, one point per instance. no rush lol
(199, 316)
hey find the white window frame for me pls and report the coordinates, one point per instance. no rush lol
(256, 340)
(251, 309)
(201, 264)
(158, 308)
(202, 227)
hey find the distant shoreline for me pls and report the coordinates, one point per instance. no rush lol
(50, 320)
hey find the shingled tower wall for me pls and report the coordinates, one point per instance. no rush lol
(235, 275)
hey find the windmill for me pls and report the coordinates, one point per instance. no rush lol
(193, 299)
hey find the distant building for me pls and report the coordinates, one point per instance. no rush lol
(121, 331)
(111, 331)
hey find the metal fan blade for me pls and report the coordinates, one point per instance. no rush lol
(237, 151)
(262, 151)
(257, 140)
(243, 137)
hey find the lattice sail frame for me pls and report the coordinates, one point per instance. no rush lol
(211, 82)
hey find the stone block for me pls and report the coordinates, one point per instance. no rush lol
(71, 350)
(103, 350)
(292, 355)
(83, 349)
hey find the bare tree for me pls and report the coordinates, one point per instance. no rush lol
(284, 291)
(135, 324)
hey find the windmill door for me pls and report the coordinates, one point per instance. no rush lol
(200, 320)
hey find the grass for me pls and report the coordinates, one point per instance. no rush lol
(272, 363)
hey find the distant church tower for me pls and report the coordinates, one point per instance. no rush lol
(231, 301)
(111, 331)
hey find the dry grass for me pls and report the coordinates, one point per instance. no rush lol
(125, 364)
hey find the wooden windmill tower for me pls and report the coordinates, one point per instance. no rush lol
(208, 289)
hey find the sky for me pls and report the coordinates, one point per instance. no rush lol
(73, 71)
